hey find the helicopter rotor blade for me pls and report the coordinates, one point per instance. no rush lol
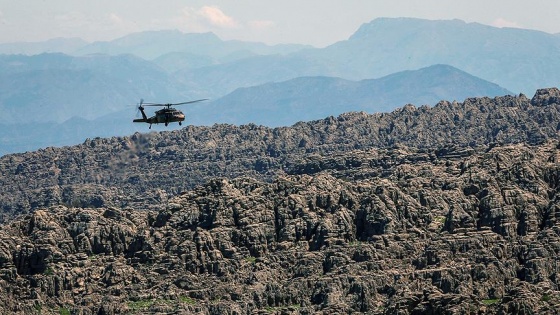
(189, 102)
(174, 104)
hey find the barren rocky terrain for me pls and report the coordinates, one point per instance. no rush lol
(451, 209)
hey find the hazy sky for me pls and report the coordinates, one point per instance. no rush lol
(314, 22)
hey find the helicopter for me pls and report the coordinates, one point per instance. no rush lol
(165, 115)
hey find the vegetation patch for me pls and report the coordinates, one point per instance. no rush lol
(491, 301)
(290, 308)
(187, 300)
(49, 271)
(441, 219)
(251, 259)
(140, 305)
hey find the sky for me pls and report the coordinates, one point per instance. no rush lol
(313, 22)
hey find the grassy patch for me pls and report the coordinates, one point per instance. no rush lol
(140, 305)
(273, 309)
(294, 307)
(440, 219)
(63, 311)
(270, 309)
(356, 243)
(491, 301)
(187, 300)
(546, 298)
(251, 259)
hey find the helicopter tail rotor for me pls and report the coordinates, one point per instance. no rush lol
(141, 110)
(138, 106)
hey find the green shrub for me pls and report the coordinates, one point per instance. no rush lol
(140, 304)
(251, 259)
(491, 301)
(187, 300)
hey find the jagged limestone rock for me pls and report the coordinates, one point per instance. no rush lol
(453, 234)
(452, 209)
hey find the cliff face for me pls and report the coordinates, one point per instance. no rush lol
(334, 217)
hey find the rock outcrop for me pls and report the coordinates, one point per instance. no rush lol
(378, 231)
(446, 210)
(150, 168)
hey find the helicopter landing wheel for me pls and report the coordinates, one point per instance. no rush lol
(180, 123)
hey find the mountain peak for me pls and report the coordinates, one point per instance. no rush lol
(385, 24)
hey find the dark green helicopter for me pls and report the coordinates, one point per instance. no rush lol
(165, 115)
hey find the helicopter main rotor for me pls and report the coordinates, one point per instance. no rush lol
(170, 104)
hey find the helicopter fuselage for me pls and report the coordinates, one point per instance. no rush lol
(165, 115)
(168, 115)
(162, 116)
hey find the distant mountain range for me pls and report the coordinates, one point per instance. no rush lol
(387, 63)
(153, 44)
(271, 104)
(520, 60)
(312, 98)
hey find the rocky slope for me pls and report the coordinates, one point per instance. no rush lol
(148, 168)
(379, 231)
(446, 210)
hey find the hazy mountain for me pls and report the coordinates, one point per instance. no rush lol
(518, 59)
(172, 62)
(61, 45)
(224, 78)
(309, 98)
(273, 104)
(56, 87)
(153, 44)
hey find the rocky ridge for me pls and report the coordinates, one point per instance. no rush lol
(333, 218)
(475, 232)
(146, 169)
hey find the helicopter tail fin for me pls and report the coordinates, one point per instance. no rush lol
(141, 109)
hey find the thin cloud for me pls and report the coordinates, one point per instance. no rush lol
(213, 19)
(217, 17)
(115, 21)
(501, 22)
(204, 19)
(260, 25)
